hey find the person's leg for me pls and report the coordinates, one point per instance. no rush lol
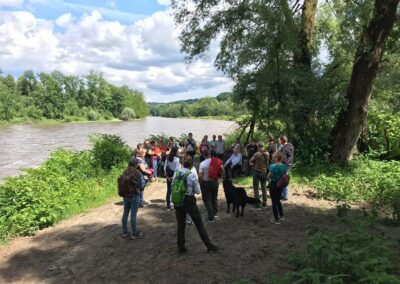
(215, 197)
(236, 170)
(127, 208)
(256, 181)
(194, 213)
(155, 167)
(134, 209)
(141, 198)
(263, 181)
(279, 203)
(248, 168)
(168, 196)
(274, 200)
(228, 171)
(180, 214)
(207, 199)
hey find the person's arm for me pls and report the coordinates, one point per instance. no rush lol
(201, 172)
(229, 160)
(165, 165)
(144, 170)
(195, 183)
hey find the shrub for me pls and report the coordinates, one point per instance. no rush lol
(92, 115)
(63, 185)
(109, 151)
(358, 253)
(127, 114)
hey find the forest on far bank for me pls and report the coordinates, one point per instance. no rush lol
(56, 96)
(220, 106)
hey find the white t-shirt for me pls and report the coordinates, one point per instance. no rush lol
(204, 168)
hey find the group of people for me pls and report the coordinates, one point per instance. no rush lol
(266, 163)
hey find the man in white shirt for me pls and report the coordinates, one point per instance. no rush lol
(190, 145)
(189, 207)
(209, 188)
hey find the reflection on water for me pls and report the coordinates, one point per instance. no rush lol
(23, 146)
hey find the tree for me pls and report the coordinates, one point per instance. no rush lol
(368, 57)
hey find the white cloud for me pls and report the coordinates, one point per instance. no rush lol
(164, 2)
(144, 55)
(11, 3)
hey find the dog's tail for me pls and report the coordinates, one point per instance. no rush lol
(252, 200)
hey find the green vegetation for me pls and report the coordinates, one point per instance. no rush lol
(220, 106)
(358, 252)
(55, 96)
(69, 182)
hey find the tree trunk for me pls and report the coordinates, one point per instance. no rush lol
(367, 60)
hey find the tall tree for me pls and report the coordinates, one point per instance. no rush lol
(368, 57)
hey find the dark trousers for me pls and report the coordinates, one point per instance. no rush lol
(209, 193)
(191, 153)
(260, 178)
(189, 207)
(275, 193)
(168, 197)
(232, 172)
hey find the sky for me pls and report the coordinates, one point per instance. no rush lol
(132, 42)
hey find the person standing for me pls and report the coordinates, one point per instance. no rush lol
(220, 148)
(260, 162)
(131, 201)
(189, 207)
(234, 163)
(277, 171)
(203, 146)
(287, 151)
(213, 145)
(272, 147)
(170, 167)
(190, 146)
(237, 145)
(251, 149)
(145, 175)
(209, 188)
(156, 157)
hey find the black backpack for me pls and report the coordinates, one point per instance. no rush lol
(128, 185)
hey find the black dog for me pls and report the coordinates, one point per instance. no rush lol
(236, 196)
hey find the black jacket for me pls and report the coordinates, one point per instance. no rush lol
(288, 153)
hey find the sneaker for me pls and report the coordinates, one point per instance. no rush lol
(264, 208)
(168, 208)
(210, 220)
(124, 235)
(141, 206)
(189, 222)
(282, 219)
(146, 203)
(212, 249)
(276, 222)
(215, 216)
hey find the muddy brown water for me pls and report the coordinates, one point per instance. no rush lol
(24, 146)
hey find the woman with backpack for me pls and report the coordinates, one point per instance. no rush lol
(131, 198)
(170, 167)
(276, 173)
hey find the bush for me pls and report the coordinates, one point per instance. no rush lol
(376, 182)
(358, 253)
(127, 114)
(65, 184)
(109, 151)
(92, 115)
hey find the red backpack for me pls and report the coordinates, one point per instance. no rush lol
(215, 170)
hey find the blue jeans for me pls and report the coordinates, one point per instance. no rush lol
(155, 167)
(130, 205)
(141, 196)
(285, 191)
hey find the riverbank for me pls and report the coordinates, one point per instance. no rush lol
(70, 120)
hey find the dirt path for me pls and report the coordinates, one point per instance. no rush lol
(88, 248)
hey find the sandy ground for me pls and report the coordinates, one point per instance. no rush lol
(88, 248)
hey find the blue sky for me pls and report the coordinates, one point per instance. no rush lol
(132, 43)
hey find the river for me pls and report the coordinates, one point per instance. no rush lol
(23, 146)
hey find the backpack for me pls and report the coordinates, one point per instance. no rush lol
(128, 185)
(215, 170)
(179, 188)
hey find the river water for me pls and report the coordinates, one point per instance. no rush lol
(23, 146)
